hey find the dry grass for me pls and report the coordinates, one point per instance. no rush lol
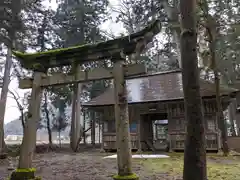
(90, 165)
(218, 167)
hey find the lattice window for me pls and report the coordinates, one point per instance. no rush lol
(109, 126)
(211, 125)
(180, 124)
(161, 132)
(211, 137)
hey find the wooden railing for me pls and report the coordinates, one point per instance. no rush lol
(178, 140)
(109, 141)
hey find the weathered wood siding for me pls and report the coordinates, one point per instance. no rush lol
(178, 129)
(176, 124)
(109, 130)
(110, 141)
(234, 143)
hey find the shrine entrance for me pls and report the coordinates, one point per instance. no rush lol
(154, 132)
(160, 132)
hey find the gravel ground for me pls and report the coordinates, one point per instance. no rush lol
(80, 166)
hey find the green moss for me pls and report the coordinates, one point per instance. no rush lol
(26, 170)
(52, 58)
(128, 177)
(43, 60)
(33, 56)
(218, 167)
(23, 174)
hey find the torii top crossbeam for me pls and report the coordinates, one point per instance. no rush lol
(90, 52)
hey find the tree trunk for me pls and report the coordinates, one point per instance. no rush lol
(30, 131)
(220, 117)
(48, 119)
(212, 30)
(49, 133)
(3, 100)
(22, 119)
(76, 113)
(195, 143)
(173, 14)
(232, 117)
(124, 155)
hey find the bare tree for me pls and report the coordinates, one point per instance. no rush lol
(210, 24)
(3, 98)
(172, 11)
(59, 124)
(20, 104)
(47, 114)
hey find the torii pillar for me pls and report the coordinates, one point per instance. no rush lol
(25, 170)
(124, 152)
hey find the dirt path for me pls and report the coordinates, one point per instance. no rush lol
(81, 166)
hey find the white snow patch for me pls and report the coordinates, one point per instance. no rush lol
(140, 156)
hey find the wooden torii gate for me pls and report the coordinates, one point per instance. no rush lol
(116, 50)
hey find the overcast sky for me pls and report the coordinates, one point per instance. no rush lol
(12, 111)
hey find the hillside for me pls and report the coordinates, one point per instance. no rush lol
(15, 128)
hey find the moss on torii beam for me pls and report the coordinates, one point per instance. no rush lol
(89, 52)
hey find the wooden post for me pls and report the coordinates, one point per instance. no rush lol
(29, 138)
(93, 127)
(169, 117)
(238, 122)
(99, 127)
(124, 155)
(76, 113)
(139, 134)
(84, 127)
(102, 129)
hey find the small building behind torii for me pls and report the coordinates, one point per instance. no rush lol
(156, 112)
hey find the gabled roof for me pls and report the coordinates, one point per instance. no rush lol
(157, 87)
(89, 52)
